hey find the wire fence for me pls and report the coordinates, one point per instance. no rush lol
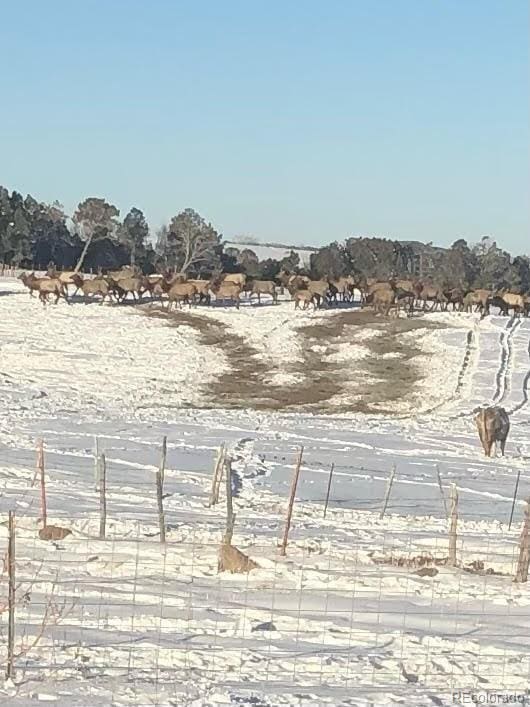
(361, 601)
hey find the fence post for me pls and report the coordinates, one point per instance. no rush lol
(11, 597)
(329, 488)
(294, 484)
(230, 517)
(96, 463)
(452, 526)
(37, 463)
(387, 492)
(163, 458)
(160, 504)
(43, 506)
(514, 498)
(524, 547)
(102, 496)
(441, 489)
(216, 466)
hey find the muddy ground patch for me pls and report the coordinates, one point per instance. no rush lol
(351, 361)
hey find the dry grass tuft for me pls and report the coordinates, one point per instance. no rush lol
(233, 560)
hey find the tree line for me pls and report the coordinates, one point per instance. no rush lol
(34, 235)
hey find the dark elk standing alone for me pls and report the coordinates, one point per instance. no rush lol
(493, 426)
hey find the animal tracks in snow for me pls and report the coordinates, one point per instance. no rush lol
(503, 377)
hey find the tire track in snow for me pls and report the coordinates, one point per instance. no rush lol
(503, 377)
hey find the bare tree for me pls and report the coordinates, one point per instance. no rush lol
(192, 243)
(94, 218)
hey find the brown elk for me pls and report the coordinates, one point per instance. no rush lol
(238, 278)
(123, 273)
(342, 287)
(430, 293)
(305, 298)
(455, 296)
(382, 300)
(66, 277)
(293, 282)
(493, 426)
(513, 301)
(45, 286)
(226, 291)
(181, 292)
(91, 287)
(263, 287)
(203, 290)
(135, 285)
(320, 291)
(480, 299)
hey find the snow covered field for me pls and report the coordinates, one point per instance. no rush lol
(335, 622)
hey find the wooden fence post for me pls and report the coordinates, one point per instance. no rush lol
(452, 526)
(10, 667)
(163, 458)
(37, 463)
(441, 489)
(387, 492)
(329, 488)
(230, 517)
(220, 473)
(43, 506)
(214, 494)
(524, 547)
(160, 504)
(102, 496)
(294, 484)
(96, 464)
(514, 498)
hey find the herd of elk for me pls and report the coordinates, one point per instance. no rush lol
(384, 296)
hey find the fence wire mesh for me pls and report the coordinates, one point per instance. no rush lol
(361, 610)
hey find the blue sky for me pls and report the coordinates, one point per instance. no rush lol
(296, 121)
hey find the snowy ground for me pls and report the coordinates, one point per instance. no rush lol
(336, 622)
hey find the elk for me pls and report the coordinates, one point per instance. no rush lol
(125, 272)
(480, 299)
(305, 297)
(96, 286)
(455, 296)
(493, 426)
(430, 293)
(513, 301)
(226, 291)
(238, 278)
(181, 292)
(263, 287)
(293, 282)
(135, 285)
(342, 287)
(320, 291)
(45, 286)
(203, 290)
(66, 277)
(382, 299)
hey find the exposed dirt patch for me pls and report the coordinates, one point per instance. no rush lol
(366, 385)
(375, 380)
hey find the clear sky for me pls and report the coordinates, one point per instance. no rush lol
(291, 120)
